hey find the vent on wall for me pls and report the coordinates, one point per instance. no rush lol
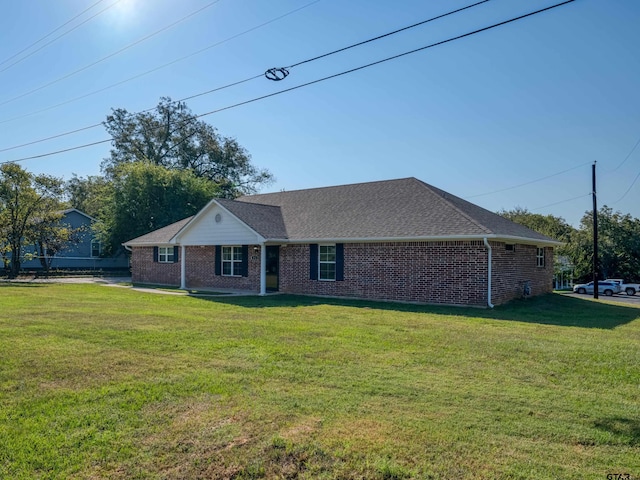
(509, 247)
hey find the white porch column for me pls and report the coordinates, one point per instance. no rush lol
(263, 269)
(183, 268)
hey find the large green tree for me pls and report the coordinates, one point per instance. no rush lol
(88, 194)
(618, 246)
(25, 201)
(144, 197)
(173, 137)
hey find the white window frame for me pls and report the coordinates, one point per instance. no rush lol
(540, 257)
(326, 261)
(93, 242)
(165, 255)
(231, 256)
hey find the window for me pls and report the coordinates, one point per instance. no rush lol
(232, 261)
(327, 259)
(540, 257)
(95, 248)
(165, 254)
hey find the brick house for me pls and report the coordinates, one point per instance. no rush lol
(400, 240)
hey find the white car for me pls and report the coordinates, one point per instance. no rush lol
(628, 288)
(606, 287)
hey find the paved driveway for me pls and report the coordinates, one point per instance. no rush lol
(620, 298)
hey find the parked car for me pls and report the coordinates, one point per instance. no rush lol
(606, 287)
(628, 288)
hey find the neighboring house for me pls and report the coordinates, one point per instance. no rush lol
(84, 255)
(400, 240)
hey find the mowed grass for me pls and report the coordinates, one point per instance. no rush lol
(99, 382)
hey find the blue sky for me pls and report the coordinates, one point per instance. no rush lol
(475, 117)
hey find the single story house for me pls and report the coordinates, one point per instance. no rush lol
(399, 240)
(86, 254)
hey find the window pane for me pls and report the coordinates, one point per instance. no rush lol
(327, 271)
(226, 268)
(226, 253)
(237, 254)
(327, 253)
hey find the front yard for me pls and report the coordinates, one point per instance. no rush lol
(100, 382)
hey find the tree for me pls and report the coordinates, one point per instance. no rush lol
(173, 137)
(618, 246)
(51, 236)
(549, 225)
(88, 194)
(24, 199)
(144, 197)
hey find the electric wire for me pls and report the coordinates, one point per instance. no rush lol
(628, 189)
(529, 182)
(198, 52)
(561, 201)
(52, 32)
(234, 83)
(627, 157)
(60, 36)
(387, 34)
(362, 67)
(111, 55)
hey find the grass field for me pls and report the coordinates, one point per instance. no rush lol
(99, 382)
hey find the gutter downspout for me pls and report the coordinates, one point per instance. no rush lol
(486, 244)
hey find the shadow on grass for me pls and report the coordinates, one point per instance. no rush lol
(551, 309)
(12, 284)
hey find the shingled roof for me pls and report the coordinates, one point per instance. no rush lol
(391, 209)
(386, 210)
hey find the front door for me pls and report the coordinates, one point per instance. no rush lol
(273, 265)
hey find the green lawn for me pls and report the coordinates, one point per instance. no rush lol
(99, 382)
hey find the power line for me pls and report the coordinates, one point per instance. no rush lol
(117, 52)
(51, 33)
(59, 36)
(627, 157)
(279, 92)
(562, 201)
(528, 183)
(164, 66)
(249, 78)
(628, 189)
(387, 34)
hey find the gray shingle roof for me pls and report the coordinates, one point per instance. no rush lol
(266, 220)
(392, 209)
(404, 208)
(160, 236)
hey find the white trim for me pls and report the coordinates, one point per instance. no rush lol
(438, 238)
(334, 263)
(185, 227)
(183, 268)
(233, 262)
(166, 254)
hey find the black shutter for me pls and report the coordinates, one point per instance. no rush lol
(218, 267)
(339, 262)
(155, 254)
(313, 261)
(175, 254)
(244, 266)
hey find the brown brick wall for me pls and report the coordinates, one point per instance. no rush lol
(513, 268)
(145, 270)
(428, 272)
(200, 269)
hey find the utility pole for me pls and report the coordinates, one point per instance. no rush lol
(595, 232)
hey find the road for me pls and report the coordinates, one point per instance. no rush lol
(621, 298)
